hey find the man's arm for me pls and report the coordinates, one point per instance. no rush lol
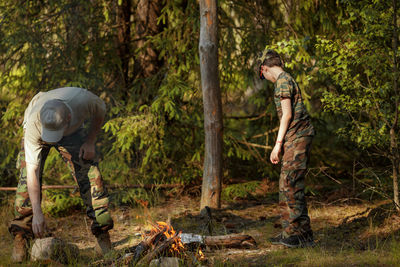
(283, 126)
(33, 184)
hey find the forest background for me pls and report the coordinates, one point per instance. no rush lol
(142, 58)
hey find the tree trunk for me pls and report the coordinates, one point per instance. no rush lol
(213, 125)
(124, 11)
(147, 13)
(393, 142)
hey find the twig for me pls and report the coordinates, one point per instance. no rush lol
(158, 250)
(254, 145)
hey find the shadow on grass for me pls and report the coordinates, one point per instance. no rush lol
(368, 230)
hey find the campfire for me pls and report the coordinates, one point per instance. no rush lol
(164, 241)
(168, 232)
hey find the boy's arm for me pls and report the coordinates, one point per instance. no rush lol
(283, 126)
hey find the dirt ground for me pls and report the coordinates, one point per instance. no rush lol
(347, 233)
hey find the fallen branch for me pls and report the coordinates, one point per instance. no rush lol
(145, 186)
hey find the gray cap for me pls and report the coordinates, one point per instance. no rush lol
(54, 119)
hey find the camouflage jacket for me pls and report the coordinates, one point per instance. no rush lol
(300, 124)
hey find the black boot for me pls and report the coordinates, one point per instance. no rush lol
(299, 241)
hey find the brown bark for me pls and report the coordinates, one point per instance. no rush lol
(230, 241)
(124, 12)
(147, 13)
(227, 241)
(393, 142)
(213, 125)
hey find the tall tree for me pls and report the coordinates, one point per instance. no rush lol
(124, 12)
(213, 125)
(147, 62)
(394, 149)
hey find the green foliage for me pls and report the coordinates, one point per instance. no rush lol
(154, 130)
(243, 190)
(133, 197)
(61, 203)
(360, 70)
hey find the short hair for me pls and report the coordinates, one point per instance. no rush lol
(271, 58)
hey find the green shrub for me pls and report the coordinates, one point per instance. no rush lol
(243, 190)
(61, 203)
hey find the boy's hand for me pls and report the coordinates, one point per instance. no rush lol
(274, 157)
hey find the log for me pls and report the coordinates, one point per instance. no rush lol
(145, 186)
(230, 241)
(227, 241)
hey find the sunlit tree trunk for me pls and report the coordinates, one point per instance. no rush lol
(213, 125)
(393, 130)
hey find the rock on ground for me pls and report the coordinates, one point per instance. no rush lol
(165, 262)
(55, 249)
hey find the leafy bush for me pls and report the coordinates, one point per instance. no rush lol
(133, 197)
(61, 203)
(243, 190)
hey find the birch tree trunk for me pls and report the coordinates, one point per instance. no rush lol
(213, 125)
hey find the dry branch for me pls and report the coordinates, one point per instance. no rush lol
(158, 250)
(145, 186)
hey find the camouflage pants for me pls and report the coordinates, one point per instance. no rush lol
(292, 202)
(87, 175)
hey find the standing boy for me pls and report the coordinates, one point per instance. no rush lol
(294, 143)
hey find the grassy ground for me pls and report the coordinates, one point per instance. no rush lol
(357, 233)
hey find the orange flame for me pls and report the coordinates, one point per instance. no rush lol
(201, 254)
(169, 232)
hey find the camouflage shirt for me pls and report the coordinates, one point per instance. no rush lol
(300, 124)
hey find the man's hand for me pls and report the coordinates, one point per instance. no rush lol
(274, 157)
(38, 224)
(87, 151)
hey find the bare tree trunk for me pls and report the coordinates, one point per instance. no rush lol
(393, 142)
(147, 13)
(124, 11)
(213, 125)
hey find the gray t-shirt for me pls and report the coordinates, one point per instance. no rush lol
(82, 104)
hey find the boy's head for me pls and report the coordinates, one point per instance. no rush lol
(271, 58)
(268, 60)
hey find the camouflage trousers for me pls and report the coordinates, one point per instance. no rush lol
(292, 202)
(86, 174)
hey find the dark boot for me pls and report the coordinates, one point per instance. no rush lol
(276, 240)
(299, 241)
(20, 248)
